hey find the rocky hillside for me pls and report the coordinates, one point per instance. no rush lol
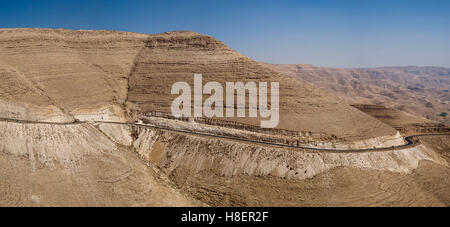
(68, 73)
(62, 74)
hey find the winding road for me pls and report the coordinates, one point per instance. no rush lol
(409, 141)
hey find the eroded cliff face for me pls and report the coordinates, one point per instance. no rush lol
(105, 75)
(53, 145)
(74, 72)
(186, 154)
(229, 173)
(175, 56)
(111, 164)
(77, 165)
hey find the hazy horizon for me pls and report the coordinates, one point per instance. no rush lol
(329, 33)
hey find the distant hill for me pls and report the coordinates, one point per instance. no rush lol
(422, 91)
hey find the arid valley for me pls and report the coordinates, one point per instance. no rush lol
(85, 121)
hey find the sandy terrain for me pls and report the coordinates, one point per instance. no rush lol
(88, 76)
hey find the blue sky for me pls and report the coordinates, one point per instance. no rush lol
(339, 33)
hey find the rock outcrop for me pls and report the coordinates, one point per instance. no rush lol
(95, 75)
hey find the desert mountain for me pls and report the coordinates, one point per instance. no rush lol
(63, 74)
(51, 78)
(422, 91)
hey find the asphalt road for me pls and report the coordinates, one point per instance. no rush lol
(410, 141)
